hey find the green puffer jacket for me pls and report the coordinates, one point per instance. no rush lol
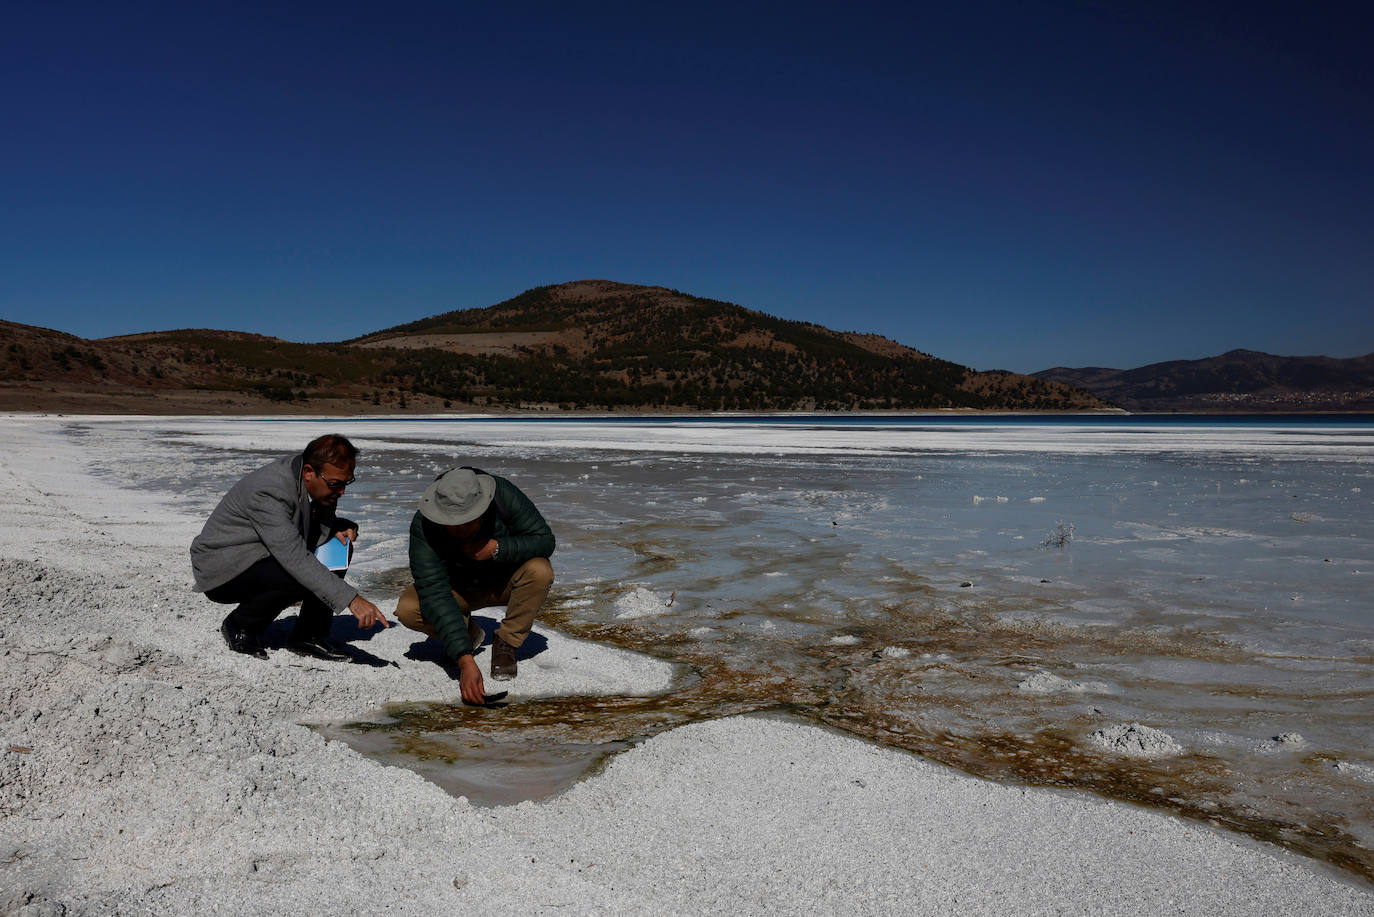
(440, 567)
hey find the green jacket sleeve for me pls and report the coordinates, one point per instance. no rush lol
(522, 533)
(437, 604)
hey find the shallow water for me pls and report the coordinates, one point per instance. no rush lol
(988, 595)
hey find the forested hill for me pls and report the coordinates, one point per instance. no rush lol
(589, 345)
(597, 342)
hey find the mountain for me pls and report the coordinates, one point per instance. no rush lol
(586, 345)
(597, 342)
(1238, 381)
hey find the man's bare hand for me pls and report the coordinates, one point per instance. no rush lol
(470, 680)
(347, 536)
(367, 614)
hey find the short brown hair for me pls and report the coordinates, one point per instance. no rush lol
(330, 449)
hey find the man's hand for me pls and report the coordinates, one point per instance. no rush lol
(367, 613)
(347, 536)
(470, 680)
(479, 551)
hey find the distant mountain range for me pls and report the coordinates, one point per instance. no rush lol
(1238, 381)
(587, 345)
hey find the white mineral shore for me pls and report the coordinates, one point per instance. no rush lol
(145, 769)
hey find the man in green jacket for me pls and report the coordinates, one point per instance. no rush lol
(476, 542)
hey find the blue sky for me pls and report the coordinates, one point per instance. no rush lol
(1015, 186)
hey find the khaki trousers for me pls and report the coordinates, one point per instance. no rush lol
(523, 596)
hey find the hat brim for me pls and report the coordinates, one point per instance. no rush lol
(431, 510)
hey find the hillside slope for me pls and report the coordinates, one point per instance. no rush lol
(601, 342)
(587, 345)
(1239, 380)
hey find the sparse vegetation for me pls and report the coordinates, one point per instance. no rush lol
(590, 345)
(1059, 537)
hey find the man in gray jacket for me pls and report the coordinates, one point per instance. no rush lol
(257, 551)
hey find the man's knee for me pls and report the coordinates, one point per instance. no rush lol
(537, 571)
(408, 610)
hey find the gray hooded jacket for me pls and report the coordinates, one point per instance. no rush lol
(268, 514)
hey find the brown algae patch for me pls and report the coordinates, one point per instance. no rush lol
(949, 692)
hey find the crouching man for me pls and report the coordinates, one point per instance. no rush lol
(257, 551)
(476, 542)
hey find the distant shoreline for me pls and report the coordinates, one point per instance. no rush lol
(32, 399)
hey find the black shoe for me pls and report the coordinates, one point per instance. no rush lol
(318, 649)
(241, 641)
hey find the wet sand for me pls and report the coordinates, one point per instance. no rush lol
(145, 769)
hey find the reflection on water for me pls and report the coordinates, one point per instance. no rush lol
(489, 767)
(941, 603)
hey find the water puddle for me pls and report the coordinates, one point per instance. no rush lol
(490, 768)
(529, 749)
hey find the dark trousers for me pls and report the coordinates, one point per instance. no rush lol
(262, 592)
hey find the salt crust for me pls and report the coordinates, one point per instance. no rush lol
(285, 434)
(146, 770)
(1361, 772)
(1049, 683)
(640, 603)
(1136, 740)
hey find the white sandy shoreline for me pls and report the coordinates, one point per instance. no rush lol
(145, 769)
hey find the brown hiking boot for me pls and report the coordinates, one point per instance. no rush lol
(502, 659)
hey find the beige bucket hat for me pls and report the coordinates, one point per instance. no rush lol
(457, 496)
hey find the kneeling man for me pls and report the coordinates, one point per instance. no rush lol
(257, 551)
(475, 542)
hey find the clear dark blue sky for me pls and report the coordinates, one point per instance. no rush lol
(1007, 185)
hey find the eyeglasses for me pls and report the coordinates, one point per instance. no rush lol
(333, 484)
